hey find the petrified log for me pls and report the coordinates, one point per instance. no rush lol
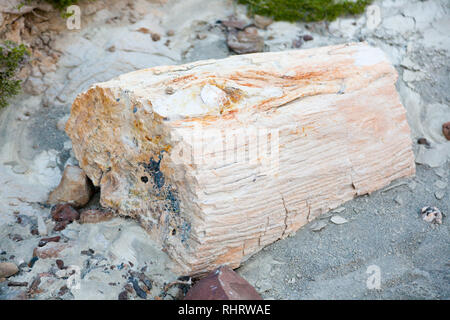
(219, 158)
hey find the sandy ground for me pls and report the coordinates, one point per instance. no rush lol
(382, 230)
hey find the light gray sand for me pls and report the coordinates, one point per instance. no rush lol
(412, 255)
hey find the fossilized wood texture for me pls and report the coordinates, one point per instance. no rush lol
(341, 128)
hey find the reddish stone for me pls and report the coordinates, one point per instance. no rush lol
(44, 241)
(123, 295)
(35, 284)
(63, 290)
(17, 284)
(423, 141)
(61, 225)
(222, 284)
(64, 212)
(60, 264)
(446, 130)
(50, 250)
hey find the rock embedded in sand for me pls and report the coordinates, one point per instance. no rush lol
(50, 250)
(234, 22)
(246, 150)
(245, 41)
(222, 284)
(432, 215)
(44, 241)
(8, 269)
(446, 130)
(74, 188)
(262, 22)
(64, 213)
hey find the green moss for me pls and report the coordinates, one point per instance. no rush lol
(12, 57)
(62, 4)
(305, 10)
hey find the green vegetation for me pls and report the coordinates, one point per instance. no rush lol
(305, 10)
(12, 56)
(58, 4)
(62, 4)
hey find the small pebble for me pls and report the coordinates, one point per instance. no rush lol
(35, 284)
(446, 130)
(440, 184)
(123, 295)
(63, 290)
(336, 219)
(432, 215)
(60, 264)
(32, 262)
(439, 194)
(169, 90)
(8, 269)
(141, 293)
(318, 226)
(423, 141)
(17, 284)
(398, 200)
(156, 37)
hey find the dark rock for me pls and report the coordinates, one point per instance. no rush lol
(423, 141)
(156, 37)
(17, 284)
(297, 43)
(123, 295)
(432, 215)
(15, 237)
(222, 284)
(63, 290)
(44, 241)
(308, 37)
(262, 22)
(33, 261)
(145, 280)
(129, 288)
(88, 252)
(61, 225)
(141, 293)
(64, 212)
